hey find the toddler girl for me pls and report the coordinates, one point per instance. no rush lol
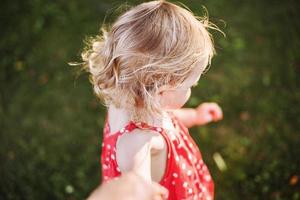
(143, 69)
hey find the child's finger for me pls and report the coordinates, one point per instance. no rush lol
(216, 111)
(208, 112)
(208, 117)
(216, 114)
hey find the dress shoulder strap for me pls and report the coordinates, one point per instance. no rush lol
(131, 125)
(107, 129)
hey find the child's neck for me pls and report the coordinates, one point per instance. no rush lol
(119, 117)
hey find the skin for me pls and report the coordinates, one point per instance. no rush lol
(129, 186)
(174, 100)
(141, 153)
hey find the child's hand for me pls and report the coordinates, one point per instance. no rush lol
(207, 112)
(129, 187)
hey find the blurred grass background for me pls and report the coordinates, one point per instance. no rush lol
(51, 123)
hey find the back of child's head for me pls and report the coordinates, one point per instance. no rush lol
(152, 44)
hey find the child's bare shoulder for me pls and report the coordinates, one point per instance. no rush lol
(136, 146)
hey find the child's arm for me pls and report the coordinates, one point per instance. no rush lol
(186, 115)
(203, 114)
(134, 151)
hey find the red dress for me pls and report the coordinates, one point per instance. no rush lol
(186, 176)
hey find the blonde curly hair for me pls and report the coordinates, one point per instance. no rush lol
(153, 44)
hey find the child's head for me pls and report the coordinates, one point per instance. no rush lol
(151, 48)
(175, 98)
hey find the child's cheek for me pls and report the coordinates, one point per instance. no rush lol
(175, 100)
(189, 92)
(187, 95)
(182, 98)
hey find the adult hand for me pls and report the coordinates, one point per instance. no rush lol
(129, 186)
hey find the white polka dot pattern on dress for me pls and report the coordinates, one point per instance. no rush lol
(179, 146)
(173, 137)
(200, 195)
(207, 177)
(112, 156)
(175, 175)
(188, 178)
(195, 160)
(185, 184)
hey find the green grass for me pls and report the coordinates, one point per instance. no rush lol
(51, 123)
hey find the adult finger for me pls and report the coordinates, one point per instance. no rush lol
(159, 190)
